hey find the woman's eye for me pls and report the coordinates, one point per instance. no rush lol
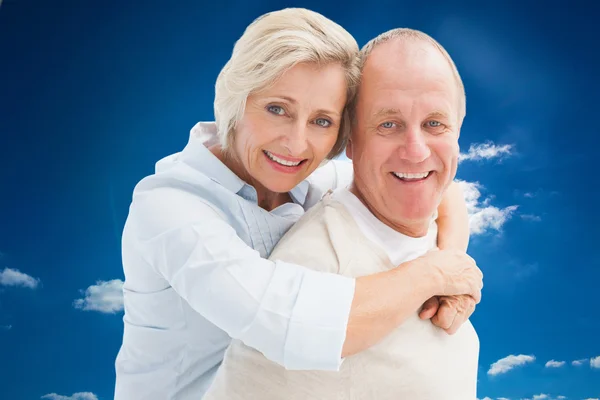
(276, 110)
(434, 124)
(325, 123)
(387, 125)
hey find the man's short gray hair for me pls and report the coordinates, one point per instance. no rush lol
(408, 34)
(273, 44)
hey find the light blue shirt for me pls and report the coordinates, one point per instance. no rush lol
(196, 275)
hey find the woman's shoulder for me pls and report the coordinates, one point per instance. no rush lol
(179, 196)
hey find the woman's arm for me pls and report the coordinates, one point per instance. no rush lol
(453, 220)
(450, 312)
(295, 316)
(300, 318)
(384, 300)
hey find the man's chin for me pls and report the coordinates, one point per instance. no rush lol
(419, 217)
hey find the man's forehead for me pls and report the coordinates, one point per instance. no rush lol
(408, 65)
(402, 55)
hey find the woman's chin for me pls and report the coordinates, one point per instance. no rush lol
(281, 186)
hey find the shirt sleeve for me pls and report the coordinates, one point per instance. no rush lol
(295, 316)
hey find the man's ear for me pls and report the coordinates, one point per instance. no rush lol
(349, 149)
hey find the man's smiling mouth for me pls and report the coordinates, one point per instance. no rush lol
(412, 177)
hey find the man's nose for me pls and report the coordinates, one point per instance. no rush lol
(296, 139)
(415, 148)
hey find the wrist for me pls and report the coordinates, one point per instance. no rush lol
(426, 279)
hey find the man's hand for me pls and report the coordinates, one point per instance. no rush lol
(448, 312)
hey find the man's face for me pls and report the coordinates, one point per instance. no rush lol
(404, 142)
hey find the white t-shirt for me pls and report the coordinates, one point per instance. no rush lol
(398, 247)
(416, 361)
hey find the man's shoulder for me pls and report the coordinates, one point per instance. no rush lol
(331, 176)
(327, 214)
(321, 239)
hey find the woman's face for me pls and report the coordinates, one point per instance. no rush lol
(290, 127)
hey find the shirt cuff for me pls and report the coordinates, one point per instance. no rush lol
(317, 329)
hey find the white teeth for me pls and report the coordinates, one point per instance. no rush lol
(403, 175)
(281, 161)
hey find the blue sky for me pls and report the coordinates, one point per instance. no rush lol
(93, 93)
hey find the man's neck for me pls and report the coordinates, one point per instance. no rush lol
(414, 229)
(265, 198)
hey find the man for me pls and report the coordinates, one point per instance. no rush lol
(404, 147)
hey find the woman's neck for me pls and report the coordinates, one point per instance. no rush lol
(265, 198)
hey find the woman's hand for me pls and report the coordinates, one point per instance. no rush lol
(455, 271)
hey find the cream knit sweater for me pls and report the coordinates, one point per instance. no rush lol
(417, 361)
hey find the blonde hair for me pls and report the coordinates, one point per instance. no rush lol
(271, 45)
(414, 35)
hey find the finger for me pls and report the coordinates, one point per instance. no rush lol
(470, 306)
(476, 296)
(456, 323)
(471, 259)
(430, 308)
(463, 315)
(467, 257)
(445, 315)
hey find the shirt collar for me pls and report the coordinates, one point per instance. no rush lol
(197, 155)
(391, 240)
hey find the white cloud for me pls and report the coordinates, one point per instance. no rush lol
(543, 396)
(502, 398)
(487, 398)
(595, 362)
(507, 363)
(486, 151)
(531, 217)
(75, 396)
(6, 327)
(579, 363)
(555, 364)
(595, 398)
(13, 277)
(483, 216)
(529, 195)
(105, 297)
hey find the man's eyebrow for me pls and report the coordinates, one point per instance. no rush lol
(386, 112)
(438, 114)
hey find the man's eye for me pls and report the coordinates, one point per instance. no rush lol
(276, 110)
(434, 124)
(325, 123)
(388, 125)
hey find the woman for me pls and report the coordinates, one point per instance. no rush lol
(200, 229)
